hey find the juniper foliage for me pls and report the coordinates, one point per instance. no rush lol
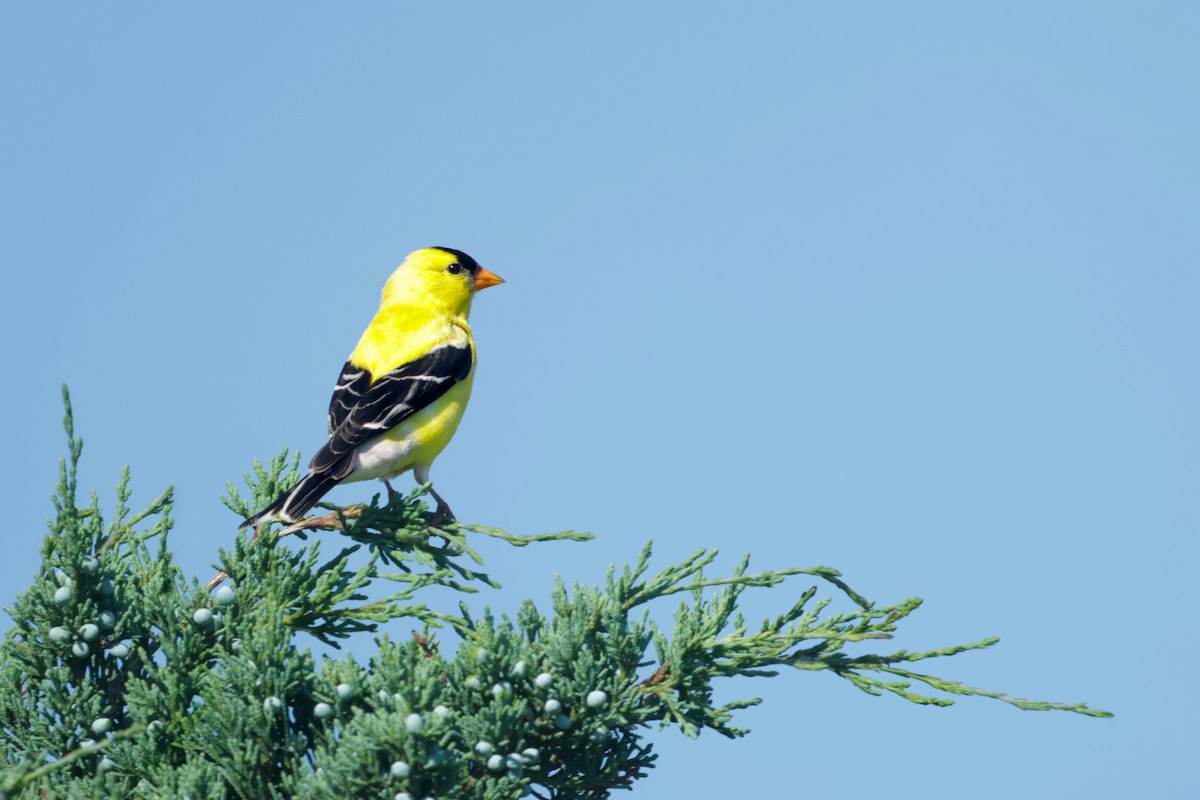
(122, 678)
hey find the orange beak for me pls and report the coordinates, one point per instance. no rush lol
(485, 278)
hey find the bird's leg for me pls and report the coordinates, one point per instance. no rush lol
(421, 475)
(443, 511)
(391, 493)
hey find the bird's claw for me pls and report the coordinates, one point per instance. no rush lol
(441, 514)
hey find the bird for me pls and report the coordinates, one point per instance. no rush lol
(402, 392)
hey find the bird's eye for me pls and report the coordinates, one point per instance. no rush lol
(455, 269)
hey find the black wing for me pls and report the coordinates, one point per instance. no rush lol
(352, 384)
(390, 400)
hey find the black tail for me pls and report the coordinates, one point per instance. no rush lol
(293, 504)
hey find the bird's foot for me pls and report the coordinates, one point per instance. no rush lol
(441, 514)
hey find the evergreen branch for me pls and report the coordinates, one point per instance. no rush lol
(955, 687)
(14, 780)
(119, 527)
(204, 691)
(522, 541)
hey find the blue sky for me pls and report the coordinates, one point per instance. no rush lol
(905, 289)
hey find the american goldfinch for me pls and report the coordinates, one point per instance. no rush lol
(403, 391)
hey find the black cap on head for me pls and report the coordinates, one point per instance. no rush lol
(470, 264)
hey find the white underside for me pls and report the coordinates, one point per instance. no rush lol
(381, 458)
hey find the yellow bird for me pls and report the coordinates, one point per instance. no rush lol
(403, 391)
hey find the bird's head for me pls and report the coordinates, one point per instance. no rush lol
(438, 279)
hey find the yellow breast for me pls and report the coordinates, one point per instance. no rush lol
(398, 335)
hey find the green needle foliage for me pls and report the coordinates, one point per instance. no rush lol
(122, 678)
